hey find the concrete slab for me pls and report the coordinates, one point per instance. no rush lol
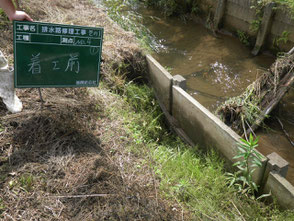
(239, 14)
(196, 125)
(240, 10)
(161, 81)
(219, 13)
(180, 81)
(265, 27)
(281, 189)
(205, 129)
(277, 164)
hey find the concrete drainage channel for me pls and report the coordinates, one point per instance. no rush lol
(197, 125)
(235, 15)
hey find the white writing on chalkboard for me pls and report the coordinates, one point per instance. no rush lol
(66, 40)
(55, 65)
(94, 50)
(93, 33)
(22, 37)
(44, 29)
(70, 31)
(26, 28)
(51, 30)
(35, 67)
(73, 63)
(26, 37)
(82, 41)
(58, 30)
(89, 82)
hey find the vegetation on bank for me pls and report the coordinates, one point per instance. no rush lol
(179, 7)
(195, 178)
(287, 3)
(111, 141)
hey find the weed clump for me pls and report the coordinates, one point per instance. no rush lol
(246, 112)
(248, 160)
(176, 7)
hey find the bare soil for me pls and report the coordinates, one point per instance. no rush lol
(65, 159)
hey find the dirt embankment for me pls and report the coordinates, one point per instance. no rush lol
(64, 160)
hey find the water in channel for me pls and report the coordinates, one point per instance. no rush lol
(215, 69)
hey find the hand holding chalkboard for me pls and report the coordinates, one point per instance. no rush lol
(12, 13)
(53, 55)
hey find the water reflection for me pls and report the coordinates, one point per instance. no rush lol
(215, 69)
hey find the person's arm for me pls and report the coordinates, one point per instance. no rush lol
(11, 12)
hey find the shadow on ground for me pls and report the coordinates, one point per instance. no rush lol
(54, 166)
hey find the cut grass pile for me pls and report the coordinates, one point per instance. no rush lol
(56, 161)
(246, 112)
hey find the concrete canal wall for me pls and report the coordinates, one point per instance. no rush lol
(276, 23)
(197, 125)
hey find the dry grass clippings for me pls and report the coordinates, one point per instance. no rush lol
(55, 163)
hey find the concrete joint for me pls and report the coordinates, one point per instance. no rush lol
(180, 81)
(277, 164)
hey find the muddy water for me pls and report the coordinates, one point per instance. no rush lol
(273, 139)
(216, 69)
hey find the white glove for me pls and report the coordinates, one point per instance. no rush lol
(7, 91)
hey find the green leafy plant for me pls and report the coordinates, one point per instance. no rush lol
(26, 182)
(258, 6)
(168, 7)
(255, 25)
(169, 69)
(282, 39)
(1, 128)
(2, 206)
(175, 7)
(3, 18)
(195, 9)
(243, 37)
(249, 160)
(288, 3)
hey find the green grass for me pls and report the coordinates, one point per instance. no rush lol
(2, 14)
(120, 11)
(195, 178)
(26, 182)
(288, 3)
(2, 206)
(3, 18)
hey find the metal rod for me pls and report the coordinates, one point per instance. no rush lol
(40, 94)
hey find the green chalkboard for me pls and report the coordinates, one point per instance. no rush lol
(55, 55)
